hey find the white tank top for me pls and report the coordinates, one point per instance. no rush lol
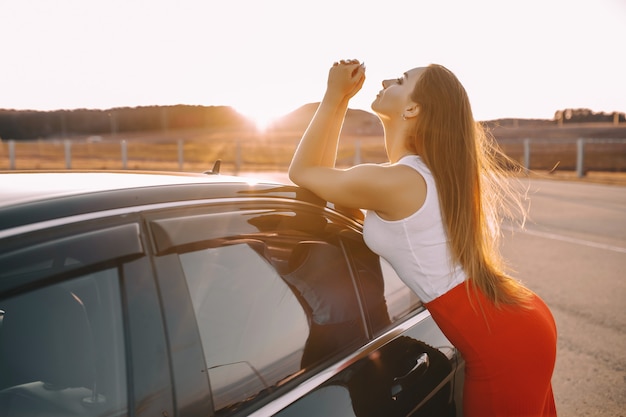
(416, 246)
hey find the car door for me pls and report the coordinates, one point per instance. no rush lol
(409, 367)
(266, 320)
(80, 324)
(296, 316)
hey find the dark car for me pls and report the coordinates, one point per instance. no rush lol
(149, 294)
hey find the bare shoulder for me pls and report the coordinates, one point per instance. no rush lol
(396, 191)
(408, 192)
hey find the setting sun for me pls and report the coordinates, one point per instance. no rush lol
(261, 120)
(263, 116)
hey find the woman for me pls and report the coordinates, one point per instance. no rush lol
(432, 213)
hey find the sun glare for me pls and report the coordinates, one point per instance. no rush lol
(262, 121)
(263, 117)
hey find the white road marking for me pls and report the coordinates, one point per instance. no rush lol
(562, 238)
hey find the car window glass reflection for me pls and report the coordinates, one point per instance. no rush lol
(62, 348)
(248, 320)
(320, 277)
(269, 309)
(385, 297)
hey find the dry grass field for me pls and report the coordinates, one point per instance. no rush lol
(552, 149)
(249, 151)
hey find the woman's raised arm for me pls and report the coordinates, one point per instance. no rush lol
(318, 146)
(364, 186)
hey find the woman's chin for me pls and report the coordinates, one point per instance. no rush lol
(377, 110)
(374, 105)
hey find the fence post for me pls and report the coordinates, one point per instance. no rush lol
(237, 156)
(580, 157)
(124, 154)
(11, 154)
(527, 154)
(68, 153)
(181, 156)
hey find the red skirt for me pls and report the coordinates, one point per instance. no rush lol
(509, 353)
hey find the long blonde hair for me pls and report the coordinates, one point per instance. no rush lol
(467, 166)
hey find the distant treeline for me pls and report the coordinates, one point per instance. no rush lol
(23, 125)
(20, 124)
(564, 117)
(587, 116)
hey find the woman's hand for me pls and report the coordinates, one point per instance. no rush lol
(318, 147)
(345, 79)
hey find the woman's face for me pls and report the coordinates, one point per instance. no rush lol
(395, 96)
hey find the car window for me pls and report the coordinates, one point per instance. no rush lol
(273, 301)
(248, 321)
(34, 257)
(76, 300)
(62, 348)
(386, 298)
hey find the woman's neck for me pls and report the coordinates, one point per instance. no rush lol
(396, 141)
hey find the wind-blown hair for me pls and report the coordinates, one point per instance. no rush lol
(471, 181)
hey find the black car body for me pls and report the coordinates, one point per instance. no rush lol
(149, 294)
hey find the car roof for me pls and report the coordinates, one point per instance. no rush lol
(28, 186)
(36, 196)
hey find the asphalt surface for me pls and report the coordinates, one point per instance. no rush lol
(572, 253)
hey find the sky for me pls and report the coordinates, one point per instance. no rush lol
(516, 58)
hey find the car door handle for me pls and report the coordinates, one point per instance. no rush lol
(422, 362)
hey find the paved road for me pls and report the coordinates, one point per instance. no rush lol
(573, 254)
